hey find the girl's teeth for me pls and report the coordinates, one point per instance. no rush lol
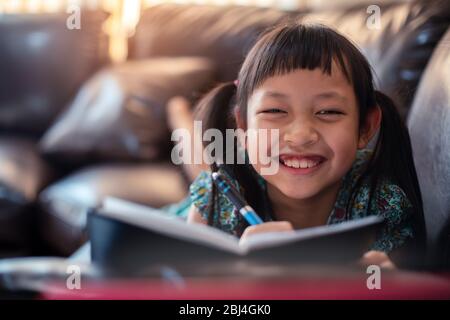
(303, 164)
(312, 164)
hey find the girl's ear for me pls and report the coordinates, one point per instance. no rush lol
(370, 127)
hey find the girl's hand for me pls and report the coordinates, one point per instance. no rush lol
(273, 226)
(378, 258)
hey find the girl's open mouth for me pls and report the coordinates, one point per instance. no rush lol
(301, 164)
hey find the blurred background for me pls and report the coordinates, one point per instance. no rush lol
(124, 15)
(84, 86)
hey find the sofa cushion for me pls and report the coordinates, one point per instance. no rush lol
(42, 65)
(222, 33)
(119, 114)
(64, 204)
(429, 125)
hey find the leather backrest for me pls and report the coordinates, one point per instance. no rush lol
(42, 64)
(224, 34)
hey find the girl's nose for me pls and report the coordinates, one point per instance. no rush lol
(300, 134)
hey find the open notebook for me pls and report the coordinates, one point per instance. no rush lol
(128, 237)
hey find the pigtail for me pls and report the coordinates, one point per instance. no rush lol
(215, 110)
(393, 158)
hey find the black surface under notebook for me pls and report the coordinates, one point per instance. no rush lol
(131, 239)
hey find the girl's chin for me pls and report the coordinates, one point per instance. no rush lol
(307, 191)
(296, 196)
(301, 193)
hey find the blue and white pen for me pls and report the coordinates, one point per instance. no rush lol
(233, 195)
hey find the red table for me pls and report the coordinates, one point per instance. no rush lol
(347, 285)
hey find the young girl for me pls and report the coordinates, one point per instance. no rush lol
(316, 88)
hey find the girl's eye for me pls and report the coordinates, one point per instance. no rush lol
(273, 110)
(329, 112)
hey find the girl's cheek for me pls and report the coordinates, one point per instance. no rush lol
(262, 153)
(344, 145)
(261, 138)
(259, 150)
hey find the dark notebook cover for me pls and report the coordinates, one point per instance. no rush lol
(130, 239)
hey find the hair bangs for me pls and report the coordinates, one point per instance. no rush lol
(293, 47)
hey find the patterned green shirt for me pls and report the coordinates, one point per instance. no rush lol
(388, 201)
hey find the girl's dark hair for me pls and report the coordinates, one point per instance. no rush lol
(294, 46)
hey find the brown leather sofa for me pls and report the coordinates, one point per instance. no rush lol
(429, 126)
(42, 65)
(399, 53)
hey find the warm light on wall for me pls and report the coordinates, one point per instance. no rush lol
(125, 14)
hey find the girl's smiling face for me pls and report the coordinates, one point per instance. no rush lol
(318, 121)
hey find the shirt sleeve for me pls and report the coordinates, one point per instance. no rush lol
(200, 192)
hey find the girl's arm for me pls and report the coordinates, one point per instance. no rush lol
(194, 216)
